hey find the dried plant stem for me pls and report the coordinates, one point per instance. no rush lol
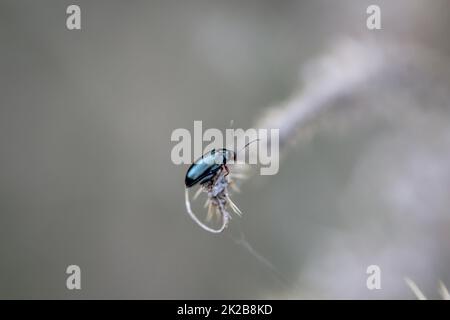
(225, 216)
(218, 200)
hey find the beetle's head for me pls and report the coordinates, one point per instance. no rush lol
(229, 155)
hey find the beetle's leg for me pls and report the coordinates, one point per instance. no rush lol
(227, 171)
(214, 179)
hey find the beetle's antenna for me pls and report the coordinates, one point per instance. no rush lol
(236, 152)
(255, 140)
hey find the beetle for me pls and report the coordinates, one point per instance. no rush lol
(208, 166)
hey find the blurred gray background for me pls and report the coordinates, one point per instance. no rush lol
(86, 176)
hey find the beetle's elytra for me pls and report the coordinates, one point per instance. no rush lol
(208, 166)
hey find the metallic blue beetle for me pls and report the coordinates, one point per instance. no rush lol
(208, 166)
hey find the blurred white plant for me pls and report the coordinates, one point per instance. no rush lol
(400, 183)
(420, 296)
